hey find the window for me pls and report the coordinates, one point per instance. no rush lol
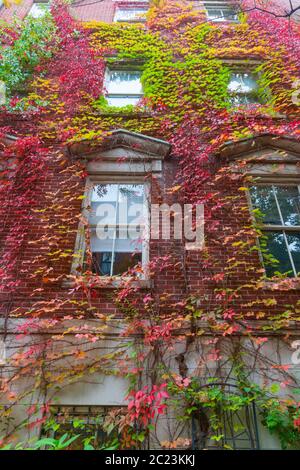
(39, 9)
(278, 206)
(2, 352)
(243, 88)
(115, 209)
(87, 421)
(117, 220)
(123, 87)
(220, 12)
(130, 14)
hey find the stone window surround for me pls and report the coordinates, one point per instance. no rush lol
(222, 5)
(106, 163)
(261, 154)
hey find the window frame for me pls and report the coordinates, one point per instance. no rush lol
(279, 181)
(222, 6)
(37, 3)
(130, 20)
(76, 411)
(80, 244)
(122, 68)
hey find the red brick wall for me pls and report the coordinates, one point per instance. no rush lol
(87, 11)
(19, 11)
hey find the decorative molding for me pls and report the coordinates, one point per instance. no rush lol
(121, 152)
(253, 147)
(147, 145)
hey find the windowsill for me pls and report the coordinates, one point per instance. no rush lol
(98, 282)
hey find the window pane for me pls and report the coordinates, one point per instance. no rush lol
(289, 203)
(238, 99)
(242, 82)
(130, 14)
(121, 244)
(85, 421)
(214, 13)
(120, 101)
(39, 9)
(122, 262)
(276, 246)
(221, 14)
(263, 198)
(294, 246)
(229, 13)
(124, 82)
(101, 263)
(115, 245)
(131, 203)
(104, 204)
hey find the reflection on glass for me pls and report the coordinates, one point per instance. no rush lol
(221, 14)
(124, 81)
(38, 10)
(263, 198)
(117, 220)
(122, 262)
(126, 14)
(243, 88)
(276, 246)
(293, 239)
(120, 101)
(289, 203)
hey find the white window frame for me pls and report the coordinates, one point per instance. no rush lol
(37, 12)
(276, 228)
(135, 18)
(223, 8)
(138, 96)
(80, 244)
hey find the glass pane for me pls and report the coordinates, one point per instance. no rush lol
(238, 99)
(124, 82)
(122, 262)
(121, 244)
(289, 203)
(214, 14)
(131, 203)
(101, 263)
(130, 14)
(276, 247)
(263, 198)
(221, 14)
(120, 101)
(242, 82)
(229, 14)
(294, 246)
(131, 208)
(103, 204)
(39, 9)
